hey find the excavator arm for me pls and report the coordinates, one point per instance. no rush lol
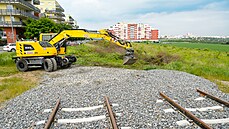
(59, 41)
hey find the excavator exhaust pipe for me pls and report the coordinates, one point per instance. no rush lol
(129, 58)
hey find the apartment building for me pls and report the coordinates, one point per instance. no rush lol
(52, 10)
(71, 21)
(135, 32)
(12, 15)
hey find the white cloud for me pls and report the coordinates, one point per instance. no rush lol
(199, 22)
(210, 19)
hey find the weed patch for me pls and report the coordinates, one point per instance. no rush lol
(161, 58)
(6, 59)
(15, 85)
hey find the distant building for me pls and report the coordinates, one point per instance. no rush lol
(135, 32)
(12, 13)
(52, 10)
(70, 21)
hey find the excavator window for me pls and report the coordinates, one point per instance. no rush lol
(45, 44)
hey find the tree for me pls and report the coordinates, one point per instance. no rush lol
(62, 26)
(44, 25)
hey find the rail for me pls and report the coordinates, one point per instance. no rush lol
(111, 114)
(22, 2)
(8, 24)
(186, 112)
(108, 107)
(213, 98)
(52, 116)
(16, 12)
(56, 17)
(55, 12)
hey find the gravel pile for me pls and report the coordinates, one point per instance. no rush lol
(135, 91)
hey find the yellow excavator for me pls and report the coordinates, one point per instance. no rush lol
(50, 51)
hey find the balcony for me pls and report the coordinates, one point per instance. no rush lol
(71, 19)
(14, 12)
(36, 2)
(22, 3)
(58, 7)
(56, 17)
(8, 24)
(55, 12)
(70, 22)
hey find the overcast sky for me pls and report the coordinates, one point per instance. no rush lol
(171, 17)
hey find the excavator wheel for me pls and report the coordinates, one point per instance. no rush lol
(22, 65)
(48, 65)
(54, 64)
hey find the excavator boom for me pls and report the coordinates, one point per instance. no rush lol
(51, 53)
(59, 39)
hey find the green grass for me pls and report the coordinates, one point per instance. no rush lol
(210, 64)
(204, 46)
(12, 87)
(8, 70)
(6, 59)
(7, 65)
(207, 62)
(12, 82)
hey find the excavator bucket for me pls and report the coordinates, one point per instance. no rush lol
(129, 60)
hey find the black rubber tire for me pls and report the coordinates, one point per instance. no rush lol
(74, 59)
(22, 65)
(54, 64)
(48, 65)
(65, 61)
(13, 50)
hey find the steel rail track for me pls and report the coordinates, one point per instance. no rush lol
(186, 112)
(213, 98)
(107, 106)
(52, 116)
(111, 114)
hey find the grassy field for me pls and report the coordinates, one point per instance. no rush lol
(210, 64)
(14, 85)
(12, 82)
(204, 46)
(7, 65)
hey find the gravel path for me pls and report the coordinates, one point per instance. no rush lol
(135, 91)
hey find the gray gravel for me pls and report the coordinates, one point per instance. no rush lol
(135, 91)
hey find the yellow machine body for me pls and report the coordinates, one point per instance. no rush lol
(34, 49)
(46, 51)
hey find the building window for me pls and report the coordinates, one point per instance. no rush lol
(2, 18)
(9, 6)
(12, 18)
